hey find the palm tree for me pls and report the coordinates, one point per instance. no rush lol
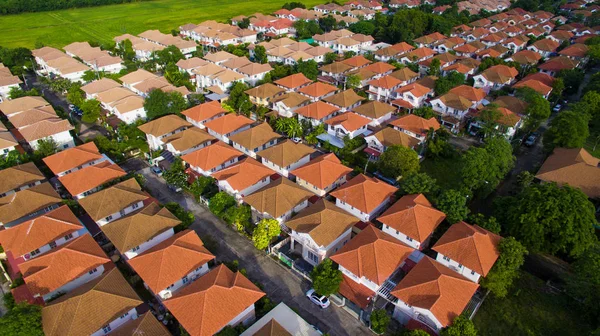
(280, 125)
(294, 128)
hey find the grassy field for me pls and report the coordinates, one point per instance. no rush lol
(59, 28)
(530, 309)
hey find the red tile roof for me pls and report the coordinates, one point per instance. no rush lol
(228, 123)
(204, 111)
(322, 171)
(364, 193)
(72, 157)
(211, 156)
(243, 174)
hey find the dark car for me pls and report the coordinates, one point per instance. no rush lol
(531, 139)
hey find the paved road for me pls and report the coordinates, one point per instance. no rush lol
(280, 284)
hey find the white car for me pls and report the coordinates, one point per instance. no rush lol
(320, 300)
(297, 140)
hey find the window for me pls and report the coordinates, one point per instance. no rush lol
(135, 206)
(66, 146)
(185, 279)
(93, 271)
(35, 252)
(409, 239)
(124, 315)
(52, 244)
(135, 249)
(106, 329)
(460, 266)
(446, 258)
(122, 212)
(313, 256)
(472, 272)
(69, 236)
(109, 218)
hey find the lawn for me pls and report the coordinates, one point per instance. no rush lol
(530, 309)
(59, 28)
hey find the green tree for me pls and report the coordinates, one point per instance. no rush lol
(238, 216)
(244, 23)
(486, 166)
(398, 161)
(170, 54)
(461, 326)
(60, 85)
(12, 159)
(572, 79)
(176, 175)
(568, 129)
(454, 204)
(200, 186)
(326, 278)
(416, 332)
(260, 54)
(330, 58)
(491, 224)
(23, 319)
(46, 147)
(219, 203)
(548, 218)
(327, 23)
(425, 112)
(238, 99)
(307, 29)
(309, 68)
(159, 103)
(379, 321)
(506, 269)
(75, 95)
(446, 83)
(489, 117)
(434, 67)
(89, 76)
(91, 111)
(352, 81)
(584, 283)
(186, 217)
(538, 108)
(418, 183)
(265, 231)
(16, 92)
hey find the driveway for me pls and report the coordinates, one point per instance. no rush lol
(280, 284)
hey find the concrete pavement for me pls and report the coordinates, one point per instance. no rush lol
(280, 283)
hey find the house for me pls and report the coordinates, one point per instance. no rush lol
(411, 96)
(281, 320)
(536, 85)
(27, 203)
(7, 81)
(95, 308)
(187, 141)
(287, 104)
(40, 235)
(415, 126)
(452, 105)
(181, 259)
(74, 159)
(468, 250)
(278, 200)
(318, 90)
(293, 82)
(412, 220)
(8, 143)
(382, 88)
(475, 95)
(216, 300)
(159, 129)
(578, 52)
(317, 112)
(19, 177)
(544, 47)
(212, 158)
(130, 109)
(115, 202)
(386, 137)
(65, 268)
(335, 72)
(254, 72)
(345, 100)
(285, 156)
(554, 65)
(18, 105)
(320, 231)
(347, 124)
(136, 77)
(55, 129)
(364, 197)
(224, 127)
(255, 139)
(405, 76)
(495, 77)
(379, 113)
(90, 179)
(431, 296)
(243, 178)
(203, 113)
(322, 174)
(525, 58)
(264, 94)
(573, 166)
(364, 267)
(144, 324)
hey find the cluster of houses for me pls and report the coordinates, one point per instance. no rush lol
(150, 41)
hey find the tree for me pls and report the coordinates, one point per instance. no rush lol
(60, 85)
(220, 203)
(176, 175)
(548, 218)
(363, 27)
(238, 99)
(446, 83)
(461, 326)
(327, 23)
(418, 183)
(572, 79)
(170, 54)
(489, 117)
(352, 81)
(434, 67)
(415, 332)
(486, 166)
(584, 284)
(538, 108)
(159, 103)
(398, 161)
(17, 92)
(307, 29)
(91, 111)
(309, 68)
(244, 23)
(238, 216)
(89, 75)
(200, 186)
(46, 147)
(330, 58)
(491, 224)
(186, 217)
(22, 319)
(265, 231)
(292, 5)
(506, 269)
(569, 129)
(379, 321)
(260, 54)
(75, 95)
(326, 278)
(425, 112)
(16, 59)
(12, 159)
(454, 204)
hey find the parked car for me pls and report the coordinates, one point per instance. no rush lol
(531, 139)
(297, 140)
(557, 108)
(174, 188)
(157, 171)
(71, 107)
(320, 300)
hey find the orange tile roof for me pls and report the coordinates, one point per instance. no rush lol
(243, 174)
(404, 74)
(416, 124)
(575, 167)
(349, 120)
(322, 171)
(535, 85)
(317, 110)
(500, 73)
(415, 89)
(204, 111)
(145, 324)
(364, 193)
(293, 81)
(52, 270)
(318, 89)
(546, 45)
(323, 221)
(91, 177)
(356, 61)
(72, 157)
(111, 200)
(218, 297)
(432, 286)
(471, 246)
(575, 50)
(414, 216)
(372, 254)
(380, 67)
(171, 260)
(469, 92)
(558, 63)
(35, 233)
(386, 82)
(374, 109)
(211, 156)
(355, 292)
(390, 137)
(228, 123)
(265, 91)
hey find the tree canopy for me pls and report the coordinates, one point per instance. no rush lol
(309, 68)
(418, 183)
(461, 326)
(398, 161)
(484, 167)
(220, 202)
(91, 110)
(265, 231)
(538, 108)
(22, 319)
(448, 82)
(454, 204)
(176, 175)
(159, 103)
(569, 129)
(326, 278)
(584, 284)
(506, 269)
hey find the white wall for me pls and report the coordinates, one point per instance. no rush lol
(189, 278)
(60, 241)
(322, 252)
(117, 323)
(284, 171)
(63, 140)
(159, 238)
(401, 237)
(131, 116)
(362, 280)
(455, 266)
(69, 286)
(404, 312)
(120, 214)
(239, 194)
(365, 217)
(27, 186)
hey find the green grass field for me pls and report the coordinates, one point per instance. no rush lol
(59, 28)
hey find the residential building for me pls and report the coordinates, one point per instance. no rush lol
(139, 231)
(508, 122)
(231, 295)
(364, 197)
(278, 200)
(380, 141)
(468, 250)
(181, 259)
(27, 203)
(320, 230)
(7, 81)
(90, 179)
(554, 65)
(255, 139)
(281, 320)
(285, 156)
(144, 324)
(495, 77)
(205, 112)
(243, 178)
(212, 158)
(412, 220)
(346, 124)
(287, 104)
(322, 174)
(293, 82)
(415, 126)
(345, 100)
(115, 202)
(381, 89)
(187, 141)
(19, 177)
(95, 308)
(379, 113)
(264, 94)
(544, 47)
(136, 77)
(75, 159)
(317, 112)
(318, 90)
(224, 127)
(8, 143)
(163, 127)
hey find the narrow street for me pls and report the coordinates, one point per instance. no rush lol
(280, 283)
